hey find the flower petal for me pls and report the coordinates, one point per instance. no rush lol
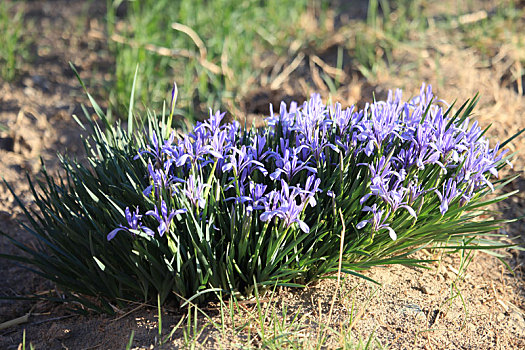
(112, 234)
(362, 224)
(303, 226)
(391, 232)
(162, 228)
(410, 211)
(148, 231)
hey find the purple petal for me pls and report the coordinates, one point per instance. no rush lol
(128, 215)
(147, 191)
(364, 198)
(410, 210)
(276, 174)
(162, 228)
(147, 231)
(215, 154)
(180, 211)
(163, 209)
(154, 140)
(170, 217)
(267, 215)
(182, 160)
(362, 224)
(303, 226)
(369, 148)
(392, 233)
(151, 170)
(310, 169)
(333, 147)
(227, 167)
(154, 213)
(440, 196)
(112, 234)
(173, 97)
(443, 208)
(367, 208)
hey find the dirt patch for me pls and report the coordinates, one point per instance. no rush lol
(481, 307)
(36, 112)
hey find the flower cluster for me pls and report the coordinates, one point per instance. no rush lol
(414, 154)
(319, 189)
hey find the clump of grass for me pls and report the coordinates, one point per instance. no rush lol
(388, 24)
(319, 189)
(410, 26)
(262, 322)
(210, 45)
(489, 30)
(13, 45)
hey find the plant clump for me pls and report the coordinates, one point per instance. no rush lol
(226, 208)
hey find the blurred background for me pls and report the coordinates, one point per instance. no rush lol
(241, 55)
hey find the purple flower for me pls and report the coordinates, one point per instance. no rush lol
(381, 175)
(257, 198)
(479, 162)
(285, 207)
(242, 164)
(214, 122)
(161, 179)
(448, 142)
(254, 199)
(289, 164)
(194, 191)
(378, 221)
(449, 193)
(422, 141)
(193, 151)
(288, 212)
(414, 191)
(133, 224)
(311, 187)
(381, 126)
(313, 126)
(259, 149)
(152, 148)
(219, 145)
(163, 217)
(396, 199)
(345, 120)
(425, 96)
(208, 127)
(285, 120)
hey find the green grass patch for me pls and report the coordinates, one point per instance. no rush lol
(210, 48)
(13, 43)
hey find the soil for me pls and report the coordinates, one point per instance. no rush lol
(481, 306)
